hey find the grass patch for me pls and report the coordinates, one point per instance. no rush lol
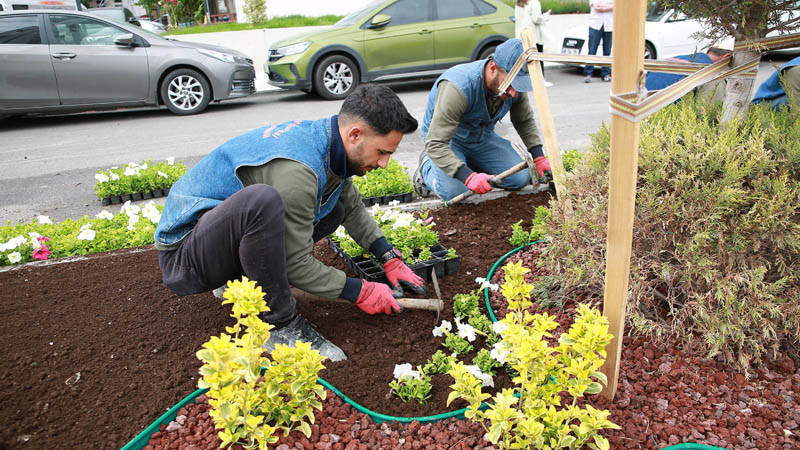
(276, 22)
(560, 6)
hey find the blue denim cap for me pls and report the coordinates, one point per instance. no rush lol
(506, 55)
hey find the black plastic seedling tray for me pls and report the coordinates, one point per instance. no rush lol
(385, 199)
(371, 270)
(115, 199)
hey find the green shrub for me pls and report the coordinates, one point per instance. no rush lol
(256, 11)
(716, 230)
(538, 229)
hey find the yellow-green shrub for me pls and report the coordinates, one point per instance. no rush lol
(249, 407)
(530, 415)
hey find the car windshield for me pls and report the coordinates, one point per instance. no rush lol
(359, 15)
(656, 12)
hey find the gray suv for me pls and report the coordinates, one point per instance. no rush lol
(58, 61)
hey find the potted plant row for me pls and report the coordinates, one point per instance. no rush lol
(381, 186)
(137, 181)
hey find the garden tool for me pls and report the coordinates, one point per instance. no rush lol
(528, 158)
(495, 180)
(438, 294)
(430, 304)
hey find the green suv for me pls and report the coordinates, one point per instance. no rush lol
(387, 40)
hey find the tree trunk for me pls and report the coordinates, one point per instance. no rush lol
(739, 88)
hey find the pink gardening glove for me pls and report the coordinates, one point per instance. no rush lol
(399, 274)
(542, 165)
(479, 182)
(376, 298)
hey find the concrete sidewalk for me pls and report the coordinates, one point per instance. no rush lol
(255, 43)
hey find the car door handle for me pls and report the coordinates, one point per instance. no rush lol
(476, 25)
(64, 55)
(425, 31)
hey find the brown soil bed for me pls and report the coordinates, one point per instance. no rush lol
(109, 318)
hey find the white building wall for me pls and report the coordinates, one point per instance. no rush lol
(310, 8)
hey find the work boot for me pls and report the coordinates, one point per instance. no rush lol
(300, 330)
(419, 183)
(218, 292)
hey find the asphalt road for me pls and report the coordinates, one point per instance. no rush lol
(47, 163)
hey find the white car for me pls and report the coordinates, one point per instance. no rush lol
(667, 33)
(153, 27)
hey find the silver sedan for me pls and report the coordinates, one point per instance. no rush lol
(57, 61)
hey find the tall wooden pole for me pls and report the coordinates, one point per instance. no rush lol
(628, 50)
(545, 115)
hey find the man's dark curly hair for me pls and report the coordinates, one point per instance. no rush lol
(379, 107)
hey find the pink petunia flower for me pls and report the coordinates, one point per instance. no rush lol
(41, 253)
(43, 238)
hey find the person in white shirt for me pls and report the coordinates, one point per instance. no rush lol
(528, 14)
(601, 24)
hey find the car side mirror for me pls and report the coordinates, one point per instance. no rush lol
(381, 20)
(124, 40)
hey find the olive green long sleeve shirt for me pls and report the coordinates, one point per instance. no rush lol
(297, 186)
(451, 104)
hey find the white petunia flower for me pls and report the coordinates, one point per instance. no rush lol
(444, 326)
(486, 284)
(394, 203)
(151, 212)
(16, 242)
(114, 176)
(498, 353)
(43, 220)
(162, 174)
(14, 257)
(130, 171)
(486, 379)
(388, 215)
(129, 209)
(143, 167)
(499, 327)
(171, 160)
(403, 220)
(101, 177)
(87, 234)
(340, 233)
(466, 331)
(86, 225)
(132, 220)
(104, 215)
(402, 371)
(34, 239)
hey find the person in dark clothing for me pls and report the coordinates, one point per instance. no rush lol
(256, 205)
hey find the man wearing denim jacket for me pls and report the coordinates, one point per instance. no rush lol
(462, 150)
(256, 205)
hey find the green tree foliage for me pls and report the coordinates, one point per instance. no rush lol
(716, 230)
(256, 11)
(744, 20)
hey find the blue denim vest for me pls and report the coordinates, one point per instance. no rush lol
(476, 124)
(214, 178)
(772, 89)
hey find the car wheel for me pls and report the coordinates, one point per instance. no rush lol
(649, 51)
(486, 52)
(335, 77)
(185, 92)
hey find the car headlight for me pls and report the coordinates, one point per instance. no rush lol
(225, 57)
(293, 49)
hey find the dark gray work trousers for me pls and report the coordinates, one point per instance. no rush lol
(244, 235)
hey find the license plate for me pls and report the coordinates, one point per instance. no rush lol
(569, 51)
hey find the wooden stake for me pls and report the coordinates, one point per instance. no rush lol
(628, 45)
(545, 115)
